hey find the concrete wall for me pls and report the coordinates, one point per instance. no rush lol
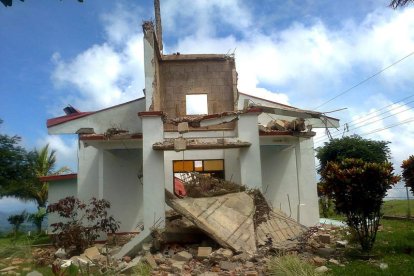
(88, 172)
(230, 156)
(123, 116)
(122, 187)
(58, 190)
(180, 78)
(280, 179)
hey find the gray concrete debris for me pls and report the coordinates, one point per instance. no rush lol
(61, 253)
(325, 238)
(183, 256)
(229, 266)
(228, 219)
(321, 269)
(203, 252)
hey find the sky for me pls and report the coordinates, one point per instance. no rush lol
(302, 53)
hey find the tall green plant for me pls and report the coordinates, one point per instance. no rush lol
(408, 172)
(358, 189)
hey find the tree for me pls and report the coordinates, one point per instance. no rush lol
(15, 165)
(9, 3)
(353, 147)
(37, 219)
(43, 163)
(399, 3)
(17, 220)
(408, 172)
(358, 189)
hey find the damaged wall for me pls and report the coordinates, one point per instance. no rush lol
(211, 77)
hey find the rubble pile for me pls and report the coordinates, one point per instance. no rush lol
(322, 246)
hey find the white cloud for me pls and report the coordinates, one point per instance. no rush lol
(106, 74)
(66, 150)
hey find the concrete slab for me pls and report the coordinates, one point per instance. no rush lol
(228, 219)
(281, 230)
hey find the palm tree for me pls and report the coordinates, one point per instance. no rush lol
(399, 3)
(44, 163)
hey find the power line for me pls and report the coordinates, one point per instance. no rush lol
(365, 80)
(367, 116)
(380, 119)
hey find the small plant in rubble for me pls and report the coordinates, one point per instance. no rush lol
(81, 223)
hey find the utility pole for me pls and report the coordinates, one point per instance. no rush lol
(408, 204)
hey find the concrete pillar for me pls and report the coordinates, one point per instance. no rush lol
(307, 212)
(153, 170)
(250, 164)
(149, 68)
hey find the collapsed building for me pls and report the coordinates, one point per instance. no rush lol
(191, 119)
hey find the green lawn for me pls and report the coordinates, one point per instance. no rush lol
(397, 208)
(394, 247)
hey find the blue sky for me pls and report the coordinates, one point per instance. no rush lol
(54, 53)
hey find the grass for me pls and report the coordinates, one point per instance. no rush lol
(290, 265)
(394, 246)
(397, 208)
(21, 247)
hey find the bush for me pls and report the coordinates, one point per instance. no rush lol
(37, 219)
(17, 221)
(408, 172)
(358, 189)
(81, 223)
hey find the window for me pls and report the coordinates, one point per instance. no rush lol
(213, 168)
(196, 104)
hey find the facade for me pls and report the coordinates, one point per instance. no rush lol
(192, 118)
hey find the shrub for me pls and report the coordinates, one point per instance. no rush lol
(358, 189)
(408, 172)
(81, 223)
(37, 219)
(17, 221)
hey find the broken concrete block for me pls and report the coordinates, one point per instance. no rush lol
(150, 260)
(180, 144)
(204, 252)
(333, 261)
(92, 252)
(341, 243)
(183, 127)
(318, 261)
(60, 253)
(321, 269)
(276, 125)
(131, 264)
(228, 219)
(325, 238)
(223, 253)
(229, 266)
(177, 266)
(183, 256)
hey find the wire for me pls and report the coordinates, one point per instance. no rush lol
(365, 80)
(367, 117)
(380, 119)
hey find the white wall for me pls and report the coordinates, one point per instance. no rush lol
(123, 116)
(122, 187)
(58, 190)
(88, 172)
(280, 179)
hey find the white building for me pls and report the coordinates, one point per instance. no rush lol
(128, 154)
